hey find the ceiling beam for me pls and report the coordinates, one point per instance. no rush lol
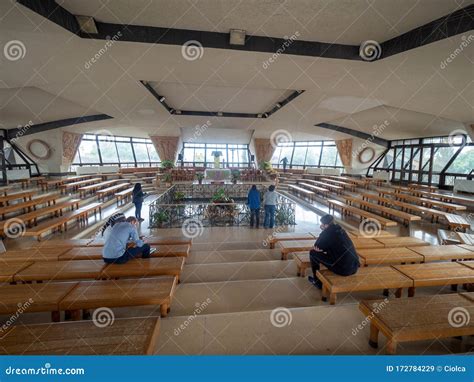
(355, 133)
(40, 127)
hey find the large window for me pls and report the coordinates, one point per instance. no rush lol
(307, 154)
(110, 150)
(436, 160)
(200, 154)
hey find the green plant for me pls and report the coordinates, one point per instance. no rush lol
(200, 175)
(266, 166)
(221, 197)
(235, 174)
(167, 178)
(160, 217)
(167, 164)
(179, 196)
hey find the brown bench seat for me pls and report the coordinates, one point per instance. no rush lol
(9, 269)
(417, 319)
(366, 279)
(405, 241)
(103, 193)
(124, 195)
(283, 236)
(152, 240)
(125, 336)
(389, 256)
(299, 190)
(316, 189)
(457, 222)
(29, 205)
(164, 266)
(443, 252)
(34, 254)
(348, 210)
(111, 294)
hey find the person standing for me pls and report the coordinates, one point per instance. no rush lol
(253, 201)
(137, 199)
(285, 162)
(270, 202)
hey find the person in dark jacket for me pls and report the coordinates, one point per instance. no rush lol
(253, 200)
(334, 249)
(137, 199)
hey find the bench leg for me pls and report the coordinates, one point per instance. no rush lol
(76, 315)
(272, 245)
(411, 291)
(324, 293)
(385, 292)
(55, 316)
(398, 293)
(391, 347)
(374, 336)
(284, 256)
(164, 310)
(454, 287)
(332, 298)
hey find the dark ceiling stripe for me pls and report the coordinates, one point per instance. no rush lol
(354, 133)
(162, 100)
(455, 23)
(40, 127)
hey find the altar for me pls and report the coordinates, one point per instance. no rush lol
(217, 174)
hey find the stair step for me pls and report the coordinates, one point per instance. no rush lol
(255, 270)
(230, 256)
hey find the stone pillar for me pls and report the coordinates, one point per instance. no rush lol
(166, 147)
(263, 149)
(71, 142)
(344, 148)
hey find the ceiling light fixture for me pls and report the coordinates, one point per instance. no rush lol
(259, 115)
(178, 111)
(87, 24)
(162, 99)
(237, 37)
(278, 105)
(220, 114)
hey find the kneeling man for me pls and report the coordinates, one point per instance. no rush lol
(334, 249)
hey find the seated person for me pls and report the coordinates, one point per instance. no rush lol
(334, 249)
(123, 244)
(105, 231)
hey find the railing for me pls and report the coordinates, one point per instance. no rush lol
(167, 213)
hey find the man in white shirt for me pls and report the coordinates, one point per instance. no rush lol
(270, 202)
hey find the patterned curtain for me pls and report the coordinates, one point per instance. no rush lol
(263, 149)
(344, 148)
(71, 142)
(166, 147)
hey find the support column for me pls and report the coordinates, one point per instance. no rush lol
(263, 149)
(166, 147)
(71, 142)
(344, 148)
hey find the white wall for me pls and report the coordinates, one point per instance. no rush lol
(358, 145)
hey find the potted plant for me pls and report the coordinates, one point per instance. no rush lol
(167, 179)
(200, 177)
(159, 218)
(235, 176)
(179, 196)
(167, 165)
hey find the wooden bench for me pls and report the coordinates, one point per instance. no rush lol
(61, 271)
(384, 211)
(466, 238)
(366, 279)
(283, 236)
(348, 210)
(119, 293)
(431, 202)
(105, 192)
(443, 253)
(389, 256)
(299, 190)
(8, 270)
(34, 254)
(164, 266)
(436, 274)
(34, 297)
(123, 196)
(125, 336)
(316, 189)
(29, 205)
(381, 233)
(74, 186)
(24, 195)
(467, 246)
(405, 241)
(331, 187)
(456, 222)
(152, 240)
(83, 191)
(349, 186)
(417, 319)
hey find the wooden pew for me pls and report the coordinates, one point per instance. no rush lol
(467, 246)
(29, 204)
(83, 191)
(110, 293)
(456, 222)
(301, 191)
(345, 185)
(34, 297)
(436, 274)
(331, 187)
(316, 189)
(123, 196)
(283, 236)
(449, 207)
(61, 271)
(152, 240)
(105, 192)
(124, 336)
(381, 233)
(417, 319)
(34, 254)
(24, 195)
(348, 210)
(74, 186)
(384, 211)
(366, 279)
(405, 241)
(389, 256)
(8, 270)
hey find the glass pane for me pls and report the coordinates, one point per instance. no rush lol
(141, 152)
(464, 163)
(312, 157)
(88, 151)
(286, 153)
(442, 156)
(188, 154)
(276, 157)
(108, 152)
(152, 152)
(299, 155)
(199, 156)
(76, 158)
(328, 157)
(125, 152)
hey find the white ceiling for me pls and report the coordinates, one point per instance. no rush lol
(411, 88)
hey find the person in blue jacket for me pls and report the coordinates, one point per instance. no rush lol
(253, 200)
